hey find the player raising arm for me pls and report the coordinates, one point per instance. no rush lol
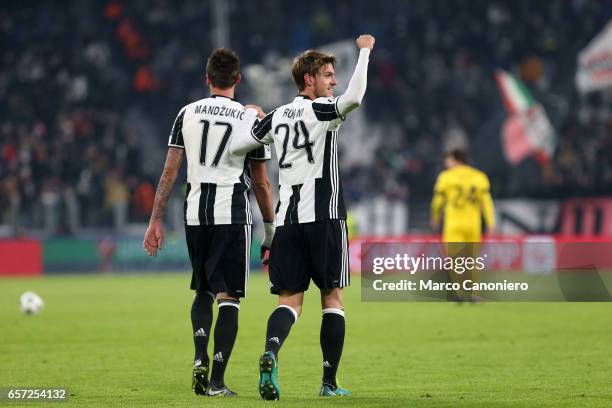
(311, 236)
(345, 103)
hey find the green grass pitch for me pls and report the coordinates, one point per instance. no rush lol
(125, 340)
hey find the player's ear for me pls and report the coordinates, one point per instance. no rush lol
(308, 79)
(238, 79)
(208, 81)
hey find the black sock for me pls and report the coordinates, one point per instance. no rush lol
(279, 325)
(226, 330)
(332, 342)
(201, 320)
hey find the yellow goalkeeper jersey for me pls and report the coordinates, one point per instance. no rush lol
(463, 193)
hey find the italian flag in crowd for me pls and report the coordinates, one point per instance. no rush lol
(527, 131)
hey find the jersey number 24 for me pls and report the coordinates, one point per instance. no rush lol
(299, 129)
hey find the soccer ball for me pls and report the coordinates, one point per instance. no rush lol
(31, 303)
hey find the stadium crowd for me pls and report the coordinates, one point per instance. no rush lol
(88, 91)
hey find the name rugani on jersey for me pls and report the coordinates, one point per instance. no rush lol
(305, 136)
(218, 182)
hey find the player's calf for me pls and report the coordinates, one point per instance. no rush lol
(279, 326)
(332, 343)
(226, 330)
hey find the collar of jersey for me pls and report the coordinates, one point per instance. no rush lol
(221, 96)
(304, 96)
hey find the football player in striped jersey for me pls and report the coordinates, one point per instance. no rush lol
(217, 212)
(311, 236)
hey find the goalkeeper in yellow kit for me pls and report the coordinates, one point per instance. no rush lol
(462, 191)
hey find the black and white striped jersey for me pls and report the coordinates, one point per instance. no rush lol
(218, 182)
(305, 133)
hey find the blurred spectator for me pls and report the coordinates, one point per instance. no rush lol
(116, 198)
(142, 201)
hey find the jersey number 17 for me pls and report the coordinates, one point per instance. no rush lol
(222, 145)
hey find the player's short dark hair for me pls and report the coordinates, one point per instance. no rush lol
(460, 155)
(309, 62)
(223, 68)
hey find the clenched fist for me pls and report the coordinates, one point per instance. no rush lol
(365, 41)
